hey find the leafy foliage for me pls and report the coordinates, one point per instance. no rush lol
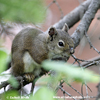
(63, 71)
(68, 72)
(13, 81)
(22, 10)
(3, 60)
(43, 94)
(10, 95)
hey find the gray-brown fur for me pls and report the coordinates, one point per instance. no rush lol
(40, 46)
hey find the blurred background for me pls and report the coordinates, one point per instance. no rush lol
(55, 10)
(83, 51)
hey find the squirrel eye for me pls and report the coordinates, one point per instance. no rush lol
(61, 43)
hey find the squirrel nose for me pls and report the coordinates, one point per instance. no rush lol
(72, 50)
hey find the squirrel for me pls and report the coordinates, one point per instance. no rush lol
(31, 46)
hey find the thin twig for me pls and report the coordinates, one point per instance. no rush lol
(94, 61)
(82, 90)
(88, 63)
(56, 90)
(62, 14)
(85, 84)
(54, 1)
(74, 89)
(98, 87)
(91, 64)
(86, 90)
(91, 46)
(64, 95)
(66, 92)
(77, 60)
(49, 5)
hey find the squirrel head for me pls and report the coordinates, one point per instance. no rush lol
(60, 44)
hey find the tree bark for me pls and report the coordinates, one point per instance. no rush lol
(85, 22)
(74, 16)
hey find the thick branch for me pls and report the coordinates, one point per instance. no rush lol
(74, 16)
(85, 22)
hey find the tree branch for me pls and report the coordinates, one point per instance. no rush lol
(93, 61)
(74, 16)
(98, 95)
(85, 22)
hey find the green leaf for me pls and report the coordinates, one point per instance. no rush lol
(43, 94)
(13, 82)
(3, 60)
(11, 95)
(68, 71)
(22, 10)
(51, 81)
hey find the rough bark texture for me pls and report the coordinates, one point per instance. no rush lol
(86, 21)
(74, 16)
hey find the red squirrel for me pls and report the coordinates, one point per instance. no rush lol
(31, 46)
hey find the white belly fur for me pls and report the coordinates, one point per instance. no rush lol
(29, 63)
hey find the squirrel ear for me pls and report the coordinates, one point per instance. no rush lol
(65, 28)
(52, 33)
